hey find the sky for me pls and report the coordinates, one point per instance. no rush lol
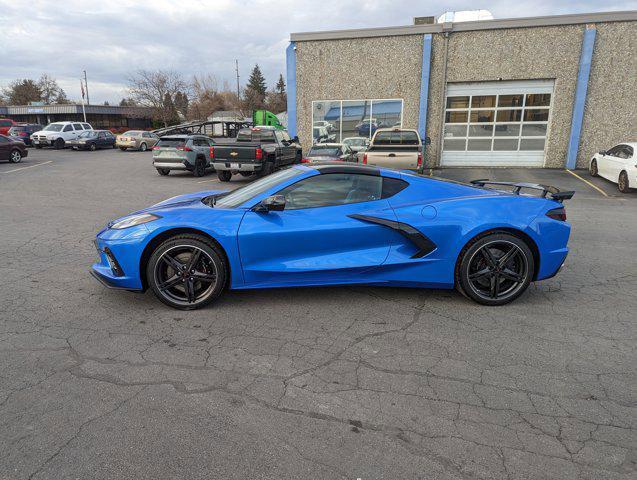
(113, 39)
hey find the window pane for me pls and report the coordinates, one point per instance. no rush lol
(532, 144)
(456, 117)
(396, 138)
(454, 145)
(356, 118)
(481, 145)
(538, 99)
(531, 130)
(484, 101)
(457, 102)
(482, 116)
(504, 130)
(536, 115)
(503, 144)
(480, 130)
(386, 113)
(509, 115)
(455, 131)
(332, 189)
(326, 119)
(510, 100)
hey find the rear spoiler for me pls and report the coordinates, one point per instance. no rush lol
(547, 190)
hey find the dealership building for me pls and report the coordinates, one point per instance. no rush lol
(99, 116)
(532, 92)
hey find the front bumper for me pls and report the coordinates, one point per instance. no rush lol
(43, 142)
(237, 166)
(119, 253)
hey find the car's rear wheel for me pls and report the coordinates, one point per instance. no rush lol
(224, 175)
(246, 174)
(58, 144)
(200, 168)
(123, 149)
(186, 272)
(92, 147)
(593, 168)
(163, 171)
(143, 147)
(38, 146)
(622, 182)
(16, 156)
(495, 269)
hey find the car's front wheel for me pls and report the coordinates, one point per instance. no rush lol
(495, 269)
(58, 144)
(123, 149)
(92, 147)
(163, 171)
(622, 182)
(186, 272)
(15, 157)
(593, 168)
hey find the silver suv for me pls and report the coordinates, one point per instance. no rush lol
(183, 152)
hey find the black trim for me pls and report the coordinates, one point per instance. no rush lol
(423, 243)
(114, 264)
(108, 283)
(345, 168)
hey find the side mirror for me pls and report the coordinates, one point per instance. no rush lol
(274, 203)
(295, 139)
(602, 152)
(427, 141)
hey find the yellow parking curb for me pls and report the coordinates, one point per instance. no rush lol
(587, 183)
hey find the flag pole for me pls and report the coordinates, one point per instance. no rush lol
(83, 109)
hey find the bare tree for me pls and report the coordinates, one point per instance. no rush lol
(157, 89)
(208, 98)
(51, 92)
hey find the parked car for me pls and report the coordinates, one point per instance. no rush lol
(259, 151)
(23, 131)
(395, 148)
(322, 135)
(92, 140)
(323, 123)
(183, 152)
(329, 152)
(619, 165)
(5, 125)
(338, 224)
(58, 133)
(12, 150)
(367, 127)
(357, 144)
(137, 140)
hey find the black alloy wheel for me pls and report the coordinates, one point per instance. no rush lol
(15, 157)
(495, 269)
(593, 168)
(200, 168)
(186, 272)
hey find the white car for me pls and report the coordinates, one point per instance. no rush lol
(358, 144)
(322, 123)
(619, 165)
(56, 134)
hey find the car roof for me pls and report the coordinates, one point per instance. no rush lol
(340, 167)
(332, 144)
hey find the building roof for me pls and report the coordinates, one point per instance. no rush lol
(75, 109)
(523, 22)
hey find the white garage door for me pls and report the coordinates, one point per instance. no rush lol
(497, 124)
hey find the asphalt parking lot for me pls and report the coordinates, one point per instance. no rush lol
(325, 383)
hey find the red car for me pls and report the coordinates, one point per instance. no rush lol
(12, 150)
(5, 125)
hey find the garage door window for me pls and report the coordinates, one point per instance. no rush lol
(511, 122)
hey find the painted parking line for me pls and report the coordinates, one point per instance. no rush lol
(207, 181)
(30, 166)
(587, 182)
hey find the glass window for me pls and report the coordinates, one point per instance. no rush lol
(483, 101)
(391, 186)
(509, 115)
(480, 130)
(534, 130)
(243, 194)
(455, 131)
(532, 144)
(400, 137)
(145, 135)
(456, 117)
(3, 139)
(536, 115)
(480, 145)
(457, 102)
(538, 99)
(510, 100)
(454, 145)
(482, 116)
(87, 126)
(326, 120)
(77, 126)
(68, 128)
(504, 130)
(505, 144)
(332, 189)
(255, 135)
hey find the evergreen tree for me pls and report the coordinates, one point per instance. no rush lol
(280, 85)
(22, 92)
(255, 91)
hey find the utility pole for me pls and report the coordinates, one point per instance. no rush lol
(88, 100)
(236, 63)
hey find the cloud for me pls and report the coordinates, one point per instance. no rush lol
(112, 39)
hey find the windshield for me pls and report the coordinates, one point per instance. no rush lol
(323, 152)
(87, 134)
(243, 194)
(133, 133)
(54, 127)
(174, 142)
(255, 135)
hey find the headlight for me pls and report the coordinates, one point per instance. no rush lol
(134, 220)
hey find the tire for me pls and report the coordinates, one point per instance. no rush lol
(58, 144)
(267, 169)
(245, 174)
(123, 149)
(224, 175)
(92, 147)
(15, 156)
(143, 147)
(200, 168)
(622, 182)
(38, 146)
(163, 171)
(592, 169)
(482, 276)
(178, 283)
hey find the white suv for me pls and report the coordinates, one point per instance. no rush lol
(58, 133)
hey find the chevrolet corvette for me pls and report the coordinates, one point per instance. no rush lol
(340, 224)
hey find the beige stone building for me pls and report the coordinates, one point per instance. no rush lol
(536, 92)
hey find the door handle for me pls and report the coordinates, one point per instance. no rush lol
(391, 155)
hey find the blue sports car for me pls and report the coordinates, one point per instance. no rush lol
(339, 224)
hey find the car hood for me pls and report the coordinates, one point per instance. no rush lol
(185, 199)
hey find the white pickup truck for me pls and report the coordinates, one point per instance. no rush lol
(395, 148)
(56, 134)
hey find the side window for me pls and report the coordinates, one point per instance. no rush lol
(145, 135)
(200, 142)
(332, 189)
(68, 128)
(392, 186)
(87, 126)
(101, 135)
(629, 151)
(77, 126)
(614, 152)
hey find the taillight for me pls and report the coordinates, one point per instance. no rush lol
(365, 159)
(557, 214)
(212, 152)
(184, 148)
(23, 134)
(155, 147)
(258, 154)
(305, 160)
(419, 159)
